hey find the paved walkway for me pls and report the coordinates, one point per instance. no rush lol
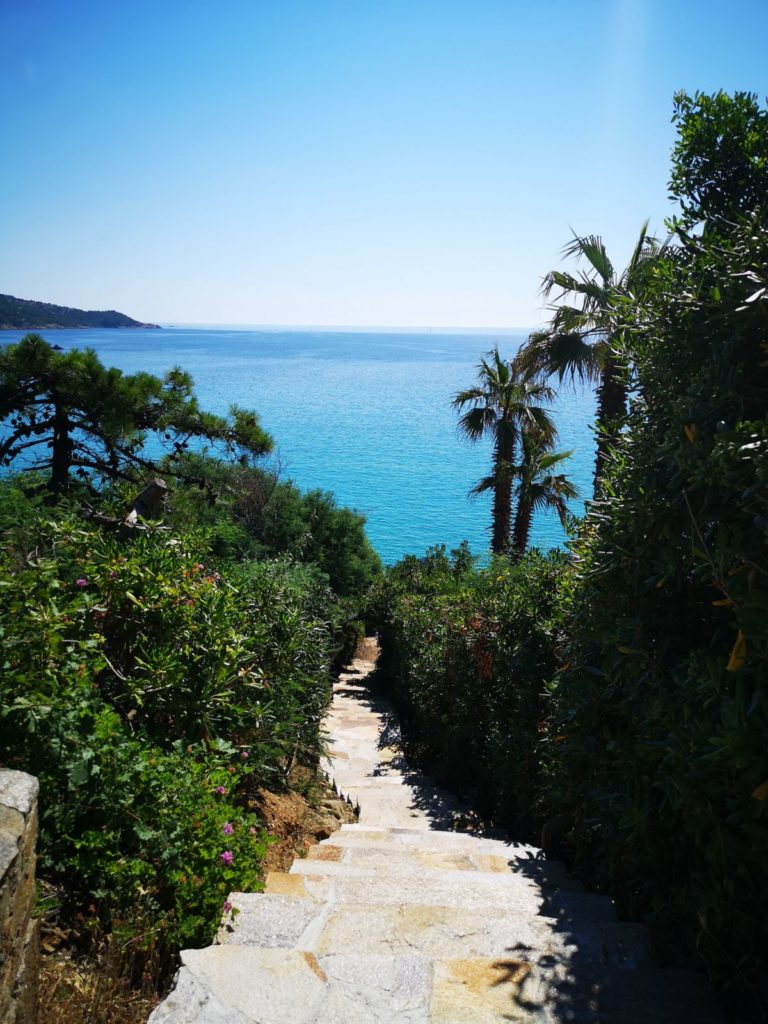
(401, 918)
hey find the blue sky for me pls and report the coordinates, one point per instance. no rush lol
(341, 162)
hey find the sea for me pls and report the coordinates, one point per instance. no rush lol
(365, 414)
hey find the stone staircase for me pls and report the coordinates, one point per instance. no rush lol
(397, 920)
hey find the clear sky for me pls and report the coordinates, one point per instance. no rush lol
(341, 162)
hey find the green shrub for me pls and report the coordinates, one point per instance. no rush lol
(465, 654)
(151, 694)
(250, 513)
(662, 701)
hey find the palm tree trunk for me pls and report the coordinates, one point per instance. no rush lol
(502, 497)
(522, 527)
(611, 410)
(524, 510)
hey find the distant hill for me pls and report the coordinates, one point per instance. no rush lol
(25, 314)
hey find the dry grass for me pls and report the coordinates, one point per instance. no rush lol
(90, 991)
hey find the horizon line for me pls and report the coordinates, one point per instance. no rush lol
(360, 328)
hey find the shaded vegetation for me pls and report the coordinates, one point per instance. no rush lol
(151, 694)
(624, 691)
(662, 697)
(158, 677)
(464, 653)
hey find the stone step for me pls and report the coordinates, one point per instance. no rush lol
(520, 895)
(536, 877)
(367, 835)
(475, 991)
(317, 887)
(404, 919)
(268, 920)
(250, 985)
(433, 931)
(391, 857)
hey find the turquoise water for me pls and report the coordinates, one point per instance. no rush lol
(365, 415)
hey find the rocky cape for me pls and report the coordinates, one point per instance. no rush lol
(29, 315)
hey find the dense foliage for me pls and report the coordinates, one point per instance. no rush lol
(465, 654)
(155, 677)
(151, 694)
(626, 690)
(255, 514)
(663, 701)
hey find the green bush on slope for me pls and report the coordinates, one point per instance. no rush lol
(251, 513)
(662, 697)
(466, 653)
(151, 693)
(652, 644)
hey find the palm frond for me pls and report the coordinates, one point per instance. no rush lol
(540, 429)
(552, 492)
(558, 279)
(463, 398)
(591, 248)
(486, 484)
(637, 253)
(566, 354)
(551, 459)
(478, 422)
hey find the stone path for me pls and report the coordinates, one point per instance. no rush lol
(399, 918)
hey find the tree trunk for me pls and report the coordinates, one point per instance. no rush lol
(61, 452)
(522, 528)
(502, 497)
(611, 410)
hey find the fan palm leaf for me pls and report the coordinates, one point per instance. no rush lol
(586, 333)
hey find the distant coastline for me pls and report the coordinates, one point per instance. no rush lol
(30, 315)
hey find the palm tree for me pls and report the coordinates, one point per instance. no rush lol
(538, 487)
(503, 403)
(584, 341)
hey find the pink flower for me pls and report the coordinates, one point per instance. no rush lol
(244, 754)
(220, 790)
(81, 582)
(253, 830)
(227, 907)
(227, 828)
(227, 857)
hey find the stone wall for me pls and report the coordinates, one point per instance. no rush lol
(19, 932)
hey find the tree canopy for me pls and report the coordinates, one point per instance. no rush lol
(64, 413)
(720, 160)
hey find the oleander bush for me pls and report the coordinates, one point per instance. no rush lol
(152, 693)
(466, 653)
